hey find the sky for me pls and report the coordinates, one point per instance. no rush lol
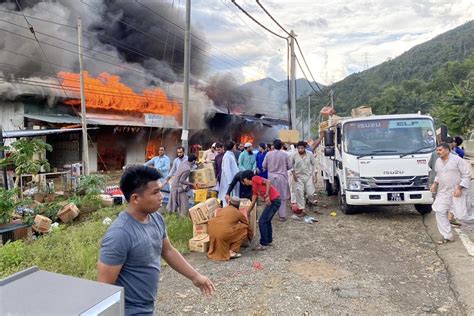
(338, 38)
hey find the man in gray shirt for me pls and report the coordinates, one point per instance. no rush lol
(132, 246)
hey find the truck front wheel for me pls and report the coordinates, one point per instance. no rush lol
(345, 208)
(328, 187)
(423, 208)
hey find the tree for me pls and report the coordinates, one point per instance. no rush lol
(456, 110)
(21, 156)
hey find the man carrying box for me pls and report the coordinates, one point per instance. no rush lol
(263, 188)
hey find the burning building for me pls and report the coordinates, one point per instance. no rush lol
(133, 83)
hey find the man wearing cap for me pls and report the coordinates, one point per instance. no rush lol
(210, 154)
(247, 159)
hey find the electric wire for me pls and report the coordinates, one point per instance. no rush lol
(256, 21)
(297, 44)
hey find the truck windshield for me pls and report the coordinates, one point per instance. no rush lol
(389, 137)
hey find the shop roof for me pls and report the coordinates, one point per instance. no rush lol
(150, 120)
(39, 132)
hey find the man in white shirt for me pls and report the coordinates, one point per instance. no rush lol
(451, 186)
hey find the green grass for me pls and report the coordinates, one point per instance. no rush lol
(74, 249)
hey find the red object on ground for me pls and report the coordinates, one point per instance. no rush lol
(257, 265)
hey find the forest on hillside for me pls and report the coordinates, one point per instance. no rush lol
(436, 77)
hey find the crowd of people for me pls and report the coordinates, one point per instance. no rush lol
(278, 174)
(289, 170)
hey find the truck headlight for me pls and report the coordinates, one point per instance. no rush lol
(353, 180)
(353, 185)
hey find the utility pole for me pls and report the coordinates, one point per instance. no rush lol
(302, 123)
(292, 80)
(331, 94)
(309, 116)
(2, 155)
(187, 65)
(85, 143)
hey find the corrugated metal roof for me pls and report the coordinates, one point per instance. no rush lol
(110, 120)
(69, 119)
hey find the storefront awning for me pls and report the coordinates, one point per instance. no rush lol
(40, 132)
(149, 120)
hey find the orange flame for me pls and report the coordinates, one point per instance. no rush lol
(246, 138)
(107, 92)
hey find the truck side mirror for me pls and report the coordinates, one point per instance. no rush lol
(329, 151)
(329, 138)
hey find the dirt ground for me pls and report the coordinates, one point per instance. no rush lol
(382, 261)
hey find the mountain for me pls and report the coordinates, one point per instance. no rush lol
(270, 96)
(416, 72)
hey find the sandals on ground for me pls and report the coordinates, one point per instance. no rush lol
(260, 248)
(236, 255)
(445, 241)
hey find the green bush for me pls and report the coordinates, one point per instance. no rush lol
(92, 184)
(74, 249)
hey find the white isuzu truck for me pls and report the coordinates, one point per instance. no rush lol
(379, 160)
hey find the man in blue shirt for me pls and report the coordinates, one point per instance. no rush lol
(247, 159)
(262, 152)
(160, 162)
(456, 146)
(133, 245)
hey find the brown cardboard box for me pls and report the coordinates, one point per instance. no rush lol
(42, 224)
(68, 213)
(289, 136)
(361, 111)
(244, 205)
(212, 205)
(199, 243)
(204, 176)
(199, 213)
(199, 229)
(106, 200)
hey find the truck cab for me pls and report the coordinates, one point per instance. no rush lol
(379, 160)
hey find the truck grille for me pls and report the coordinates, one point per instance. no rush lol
(413, 183)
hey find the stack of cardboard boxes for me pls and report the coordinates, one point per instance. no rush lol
(200, 215)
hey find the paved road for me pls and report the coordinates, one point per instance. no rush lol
(378, 262)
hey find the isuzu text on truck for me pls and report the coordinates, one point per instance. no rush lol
(379, 160)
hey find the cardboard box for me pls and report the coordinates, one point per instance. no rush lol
(289, 136)
(106, 200)
(200, 195)
(244, 205)
(199, 229)
(199, 243)
(42, 224)
(199, 213)
(361, 111)
(68, 213)
(204, 176)
(212, 206)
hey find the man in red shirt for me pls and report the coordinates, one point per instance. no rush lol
(263, 188)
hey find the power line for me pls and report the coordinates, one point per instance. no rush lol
(297, 44)
(256, 21)
(121, 20)
(134, 50)
(194, 36)
(232, 9)
(32, 30)
(304, 74)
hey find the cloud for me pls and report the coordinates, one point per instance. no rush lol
(334, 35)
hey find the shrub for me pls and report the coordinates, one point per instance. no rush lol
(74, 249)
